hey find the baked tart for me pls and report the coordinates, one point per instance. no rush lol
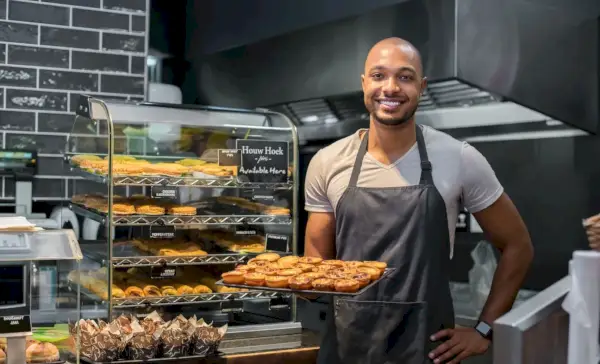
(362, 278)
(288, 262)
(270, 257)
(379, 265)
(310, 260)
(323, 284)
(289, 272)
(234, 277)
(254, 279)
(346, 285)
(337, 263)
(301, 282)
(335, 274)
(244, 268)
(374, 273)
(312, 275)
(182, 210)
(147, 209)
(268, 271)
(123, 209)
(276, 281)
(304, 267)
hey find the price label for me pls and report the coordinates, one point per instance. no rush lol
(165, 192)
(265, 197)
(278, 243)
(263, 161)
(245, 230)
(278, 303)
(163, 272)
(15, 324)
(162, 232)
(229, 157)
(232, 306)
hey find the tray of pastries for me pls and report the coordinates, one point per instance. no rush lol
(231, 205)
(35, 352)
(229, 241)
(311, 275)
(134, 205)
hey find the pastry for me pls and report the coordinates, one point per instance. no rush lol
(3, 343)
(42, 353)
(168, 291)
(152, 291)
(379, 265)
(234, 277)
(337, 263)
(323, 284)
(117, 292)
(134, 291)
(346, 285)
(305, 267)
(335, 274)
(276, 281)
(270, 257)
(184, 289)
(253, 263)
(362, 278)
(201, 289)
(301, 282)
(166, 169)
(123, 209)
(310, 260)
(245, 268)
(77, 159)
(254, 279)
(312, 275)
(353, 264)
(148, 209)
(182, 210)
(288, 262)
(268, 271)
(324, 268)
(374, 273)
(2, 356)
(188, 162)
(289, 272)
(121, 158)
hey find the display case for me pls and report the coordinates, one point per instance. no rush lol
(36, 304)
(170, 196)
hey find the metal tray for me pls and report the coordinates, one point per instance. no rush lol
(312, 292)
(154, 360)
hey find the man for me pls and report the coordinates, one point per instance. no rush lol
(391, 193)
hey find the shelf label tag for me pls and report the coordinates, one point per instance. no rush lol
(278, 303)
(263, 161)
(262, 196)
(162, 272)
(229, 157)
(245, 230)
(162, 232)
(278, 243)
(15, 324)
(232, 306)
(165, 192)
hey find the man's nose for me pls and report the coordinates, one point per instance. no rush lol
(391, 85)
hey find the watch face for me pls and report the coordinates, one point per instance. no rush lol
(483, 328)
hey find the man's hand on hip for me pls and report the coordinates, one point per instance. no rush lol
(461, 343)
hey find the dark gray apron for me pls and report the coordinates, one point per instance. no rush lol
(407, 228)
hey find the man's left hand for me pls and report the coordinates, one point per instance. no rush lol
(461, 343)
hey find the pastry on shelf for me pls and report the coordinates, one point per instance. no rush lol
(42, 353)
(181, 210)
(152, 291)
(168, 291)
(78, 159)
(188, 162)
(134, 291)
(213, 169)
(165, 169)
(149, 209)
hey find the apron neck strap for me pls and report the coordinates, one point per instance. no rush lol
(426, 176)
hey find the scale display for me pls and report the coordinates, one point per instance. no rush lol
(12, 286)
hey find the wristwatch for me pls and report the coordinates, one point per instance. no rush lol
(484, 330)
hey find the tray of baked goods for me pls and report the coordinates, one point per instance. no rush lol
(311, 275)
(142, 210)
(142, 288)
(127, 339)
(37, 351)
(136, 171)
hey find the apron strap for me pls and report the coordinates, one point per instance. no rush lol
(426, 176)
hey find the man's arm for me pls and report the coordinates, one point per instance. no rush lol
(506, 230)
(320, 235)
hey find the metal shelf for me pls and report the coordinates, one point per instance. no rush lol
(171, 220)
(179, 181)
(194, 299)
(130, 262)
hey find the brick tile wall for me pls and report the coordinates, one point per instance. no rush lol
(52, 50)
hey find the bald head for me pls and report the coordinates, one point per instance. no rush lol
(397, 48)
(393, 82)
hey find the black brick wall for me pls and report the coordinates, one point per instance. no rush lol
(52, 50)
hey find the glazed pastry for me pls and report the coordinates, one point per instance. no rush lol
(268, 271)
(234, 277)
(323, 284)
(148, 209)
(304, 267)
(289, 272)
(245, 268)
(182, 210)
(335, 274)
(117, 292)
(379, 265)
(312, 275)
(168, 291)
(184, 289)
(353, 264)
(270, 257)
(310, 260)
(301, 282)
(374, 273)
(346, 285)
(324, 268)
(362, 278)
(42, 353)
(134, 291)
(201, 289)
(276, 281)
(254, 263)
(288, 262)
(337, 263)
(254, 279)
(152, 291)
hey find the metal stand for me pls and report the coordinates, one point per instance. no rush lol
(15, 350)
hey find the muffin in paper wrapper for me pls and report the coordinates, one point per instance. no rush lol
(208, 339)
(144, 341)
(174, 340)
(99, 344)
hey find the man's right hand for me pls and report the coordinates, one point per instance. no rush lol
(592, 228)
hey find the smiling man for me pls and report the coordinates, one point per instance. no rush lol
(391, 193)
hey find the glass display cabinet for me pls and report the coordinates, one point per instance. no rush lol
(36, 303)
(170, 196)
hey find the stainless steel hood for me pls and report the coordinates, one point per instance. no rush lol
(489, 62)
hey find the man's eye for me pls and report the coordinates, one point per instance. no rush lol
(406, 78)
(377, 76)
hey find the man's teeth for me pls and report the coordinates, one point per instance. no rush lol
(390, 103)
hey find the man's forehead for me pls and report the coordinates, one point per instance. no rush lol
(394, 53)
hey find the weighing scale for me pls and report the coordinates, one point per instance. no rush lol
(15, 293)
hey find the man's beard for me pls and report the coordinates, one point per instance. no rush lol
(397, 121)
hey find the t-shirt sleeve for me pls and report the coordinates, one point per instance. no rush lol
(315, 186)
(480, 186)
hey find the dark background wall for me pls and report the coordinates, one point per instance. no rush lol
(50, 52)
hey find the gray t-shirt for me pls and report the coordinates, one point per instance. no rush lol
(459, 172)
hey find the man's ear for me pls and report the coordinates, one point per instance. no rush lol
(423, 85)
